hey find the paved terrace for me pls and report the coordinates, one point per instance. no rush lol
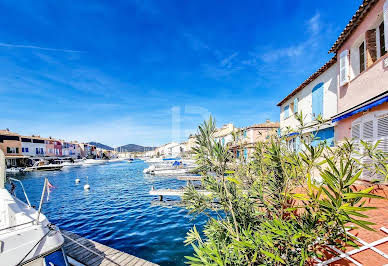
(376, 251)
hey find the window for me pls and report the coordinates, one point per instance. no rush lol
(382, 39)
(245, 133)
(41, 150)
(296, 100)
(22, 149)
(37, 150)
(26, 149)
(286, 111)
(9, 150)
(361, 52)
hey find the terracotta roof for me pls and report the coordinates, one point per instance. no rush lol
(225, 130)
(7, 132)
(310, 79)
(267, 124)
(357, 18)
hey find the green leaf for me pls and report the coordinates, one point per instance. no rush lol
(353, 195)
(272, 256)
(353, 179)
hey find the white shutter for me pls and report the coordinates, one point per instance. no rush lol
(356, 134)
(368, 134)
(367, 131)
(344, 67)
(386, 24)
(382, 133)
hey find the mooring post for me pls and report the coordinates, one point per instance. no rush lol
(2, 169)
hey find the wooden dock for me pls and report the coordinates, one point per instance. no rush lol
(172, 192)
(81, 251)
(189, 178)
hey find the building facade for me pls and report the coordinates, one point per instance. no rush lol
(33, 146)
(247, 138)
(363, 86)
(315, 98)
(225, 134)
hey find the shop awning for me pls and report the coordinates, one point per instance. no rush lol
(362, 107)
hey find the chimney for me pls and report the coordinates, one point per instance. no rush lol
(267, 121)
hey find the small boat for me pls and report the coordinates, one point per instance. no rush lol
(94, 161)
(14, 170)
(175, 168)
(27, 237)
(41, 166)
(70, 164)
(115, 160)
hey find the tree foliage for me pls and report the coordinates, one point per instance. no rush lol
(281, 208)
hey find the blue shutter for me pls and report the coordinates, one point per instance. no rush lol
(318, 100)
(297, 144)
(286, 111)
(245, 153)
(296, 105)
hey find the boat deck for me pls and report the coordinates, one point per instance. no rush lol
(91, 253)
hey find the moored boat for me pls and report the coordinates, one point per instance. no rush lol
(27, 237)
(94, 161)
(42, 166)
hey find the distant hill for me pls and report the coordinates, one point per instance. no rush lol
(134, 148)
(101, 146)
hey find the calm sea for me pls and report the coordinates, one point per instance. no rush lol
(117, 210)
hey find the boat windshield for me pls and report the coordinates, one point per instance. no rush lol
(56, 258)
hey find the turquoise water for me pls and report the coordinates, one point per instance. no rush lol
(117, 211)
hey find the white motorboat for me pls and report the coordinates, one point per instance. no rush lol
(172, 171)
(42, 166)
(115, 160)
(70, 164)
(14, 170)
(93, 161)
(27, 237)
(168, 168)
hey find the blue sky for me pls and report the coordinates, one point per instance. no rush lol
(148, 72)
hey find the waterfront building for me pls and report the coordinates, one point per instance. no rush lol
(190, 144)
(247, 138)
(33, 146)
(10, 144)
(77, 150)
(167, 149)
(178, 149)
(315, 97)
(88, 150)
(361, 50)
(57, 148)
(72, 147)
(49, 142)
(225, 134)
(65, 148)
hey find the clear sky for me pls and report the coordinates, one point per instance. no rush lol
(148, 72)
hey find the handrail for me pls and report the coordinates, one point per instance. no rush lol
(25, 194)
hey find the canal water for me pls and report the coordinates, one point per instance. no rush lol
(117, 211)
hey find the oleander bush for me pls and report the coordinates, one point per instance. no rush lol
(282, 207)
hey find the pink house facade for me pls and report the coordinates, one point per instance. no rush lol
(361, 51)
